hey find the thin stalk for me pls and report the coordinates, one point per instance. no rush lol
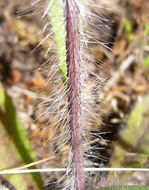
(72, 15)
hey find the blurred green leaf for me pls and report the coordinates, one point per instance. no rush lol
(127, 25)
(15, 148)
(132, 149)
(146, 61)
(146, 29)
(128, 29)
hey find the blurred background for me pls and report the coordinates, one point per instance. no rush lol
(124, 97)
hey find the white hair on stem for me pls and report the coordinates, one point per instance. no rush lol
(55, 102)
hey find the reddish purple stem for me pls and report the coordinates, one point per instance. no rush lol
(74, 94)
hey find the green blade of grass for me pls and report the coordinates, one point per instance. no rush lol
(15, 148)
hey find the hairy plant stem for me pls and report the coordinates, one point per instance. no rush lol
(74, 86)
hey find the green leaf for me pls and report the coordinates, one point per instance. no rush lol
(138, 125)
(128, 29)
(146, 61)
(15, 148)
(132, 150)
(127, 25)
(146, 29)
(56, 13)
